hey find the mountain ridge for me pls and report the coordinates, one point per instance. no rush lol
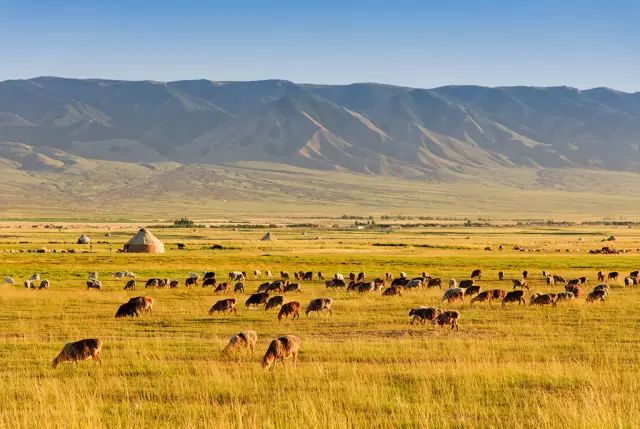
(368, 128)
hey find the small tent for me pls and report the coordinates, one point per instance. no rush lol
(268, 237)
(144, 242)
(84, 239)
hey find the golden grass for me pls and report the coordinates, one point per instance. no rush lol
(576, 365)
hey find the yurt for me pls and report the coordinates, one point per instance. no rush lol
(268, 237)
(144, 242)
(84, 239)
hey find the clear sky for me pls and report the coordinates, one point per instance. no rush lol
(415, 43)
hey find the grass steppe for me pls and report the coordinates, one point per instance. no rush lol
(576, 365)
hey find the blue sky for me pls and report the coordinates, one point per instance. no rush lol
(415, 43)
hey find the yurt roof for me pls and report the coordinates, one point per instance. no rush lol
(143, 236)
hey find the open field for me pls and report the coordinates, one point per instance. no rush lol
(576, 365)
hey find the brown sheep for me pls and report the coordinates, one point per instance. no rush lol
(604, 287)
(284, 275)
(264, 287)
(564, 296)
(293, 287)
(465, 283)
(222, 287)
(320, 276)
(476, 274)
(514, 296)
(242, 340)
(379, 283)
(435, 282)
(543, 299)
(365, 287)
(361, 276)
(128, 309)
(89, 348)
(392, 290)
(472, 290)
(400, 281)
(224, 306)
(550, 281)
(94, 284)
(209, 282)
(597, 295)
(449, 317)
(422, 314)
(144, 303)
(238, 287)
(191, 281)
(559, 279)
(601, 276)
(275, 301)
(613, 276)
(289, 309)
(44, 284)
(257, 299)
(576, 290)
(454, 294)
(500, 275)
(498, 293)
(485, 296)
(308, 276)
(525, 274)
(521, 283)
(318, 305)
(174, 284)
(280, 350)
(335, 283)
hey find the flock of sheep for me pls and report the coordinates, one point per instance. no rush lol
(287, 347)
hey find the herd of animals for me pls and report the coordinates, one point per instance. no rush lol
(287, 347)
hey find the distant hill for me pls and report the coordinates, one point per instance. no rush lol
(364, 128)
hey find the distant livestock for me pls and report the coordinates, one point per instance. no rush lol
(319, 305)
(89, 348)
(514, 296)
(543, 299)
(130, 285)
(223, 306)
(485, 296)
(274, 301)
(243, 340)
(422, 314)
(465, 283)
(597, 295)
(449, 317)
(520, 283)
(335, 283)
(476, 274)
(289, 309)
(451, 295)
(257, 299)
(280, 350)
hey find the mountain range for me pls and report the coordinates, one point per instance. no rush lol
(48, 123)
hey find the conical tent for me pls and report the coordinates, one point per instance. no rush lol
(268, 237)
(144, 242)
(84, 239)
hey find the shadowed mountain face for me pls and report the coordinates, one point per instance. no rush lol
(367, 128)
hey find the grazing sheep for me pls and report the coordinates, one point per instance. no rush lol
(284, 275)
(498, 293)
(222, 288)
(338, 276)
(365, 287)
(89, 348)
(392, 290)
(208, 275)
(191, 281)
(597, 295)
(449, 317)
(514, 296)
(94, 284)
(453, 283)
(550, 281)
(613, 276)
(352, 277)
(634, 274)
(293, 287)
(576, 290)
(238, 287)
(281, 349)
(422, 314)
(414, 283)
(308, 276)
(465, 283)
(144, 303)
(257, 299)
(256, 275)
(130, 285)
(603, 287)
(242, 340)
(264, 287)
(277, 285)
(559, 279)
(361, 276)
(485, 296)
(268, 273)
(601, 276)
(128, 309)
(318, 305)
(500, 275)
(9, 281)
(209, 282)
(44, 284)
(476, 274)
(543, 299)
(274, 301)
(163, 282)
(435, 282)
(629, 281)
(379, 283)
(472, 290)
(583, 280)
(451, 295)
(320, 276)
(525, 274)
(289, 309)
(335, 283)
(237, 275)
(564, 296)
(521, 283)
(224, 306)
(400, 281)
(152, 283)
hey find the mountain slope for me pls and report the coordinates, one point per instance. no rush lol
(365, 128)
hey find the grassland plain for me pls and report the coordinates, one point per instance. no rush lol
(576, 365)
